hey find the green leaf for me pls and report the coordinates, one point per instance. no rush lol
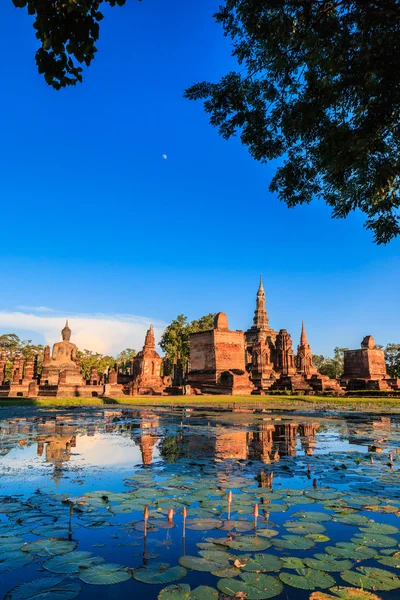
(45, 588)
(71, 562)
(326, 562)
(105, 574)
(262, 563)
(248, 543)
(372, 578)
(350, 550)
(293, 542)
(208, 563)
(51, 547)
(252, 586)
(160, 574)
(307, 579)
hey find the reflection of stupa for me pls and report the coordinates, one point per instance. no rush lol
(308, 437)
(146, 441)
(57, 451)
(231, 444)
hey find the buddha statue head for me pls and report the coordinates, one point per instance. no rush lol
(66, 332)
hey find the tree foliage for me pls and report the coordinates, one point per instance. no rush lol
(175, 339)
(14, 347)
(318, 88)
(392, 358)
(67, 31)
(330, 366)
(88, 359)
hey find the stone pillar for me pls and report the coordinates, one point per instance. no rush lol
(29, 369)
(3, 363)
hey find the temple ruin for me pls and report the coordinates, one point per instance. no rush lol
(261, 360)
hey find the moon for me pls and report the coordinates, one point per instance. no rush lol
(164, 156)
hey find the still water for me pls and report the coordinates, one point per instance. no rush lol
(75, 485)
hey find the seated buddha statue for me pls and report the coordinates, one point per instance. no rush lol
(65, 353)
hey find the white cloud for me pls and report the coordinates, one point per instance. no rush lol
(41, 309)
(108, 334)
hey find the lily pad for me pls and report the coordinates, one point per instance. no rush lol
(313, 516)
(203, 524)
(207, 563)
(350, 550)
(293, 542)
(326, 562)
(45, 588)
(307, 579)
(248, 543)
(183, 592)
(262, 563)
(10, 561)
(304, 527)
(388, 561)
(105, 574)
(374, 540)
(292, 562)
(344, 593)
(160, 573)
(372, 578)
(71, 562)
(51, 547)
(252, 586)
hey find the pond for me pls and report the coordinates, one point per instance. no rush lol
(199, 504)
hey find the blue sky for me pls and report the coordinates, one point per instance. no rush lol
(96, 222)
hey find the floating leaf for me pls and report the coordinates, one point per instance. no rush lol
(71, 562)
(9, 561)
(248, 543)
(160, 573)
(226, 572)
(307, 579)
(380, 528)
(313, 516)
(50, 547)
(326, 562)
(293, 542)
(200, 563)
(105, 574)
(350, 550)
(203, 524)
(372, 578)
(374, 540)
(45, 588)
(388, 561)
(292, 562)
(345, 593)
(304, 527)
(262, 563)
(251, 586)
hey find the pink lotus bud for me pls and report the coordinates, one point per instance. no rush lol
(255, 511)
(146, 512)
(170, 515)
(229, 496)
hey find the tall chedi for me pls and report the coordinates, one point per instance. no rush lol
(304, 356)
(260, 329)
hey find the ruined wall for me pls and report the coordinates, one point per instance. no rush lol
(365, 363)
(202, 355)
(229, 350)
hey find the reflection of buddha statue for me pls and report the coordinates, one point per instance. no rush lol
(65, 353)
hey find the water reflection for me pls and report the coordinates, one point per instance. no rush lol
(87, 475)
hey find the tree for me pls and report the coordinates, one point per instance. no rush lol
(88, 359)
(319, 88)
(67, 31)
(13, 346)
(125, 357)
(330, 366)
(392, 358)
(175, 339)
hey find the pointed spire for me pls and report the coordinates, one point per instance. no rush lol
(260, 287)
(150, 341)
(303, 337)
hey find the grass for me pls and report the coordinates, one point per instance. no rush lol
(231, 401)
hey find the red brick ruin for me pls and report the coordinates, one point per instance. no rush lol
(257, 361)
